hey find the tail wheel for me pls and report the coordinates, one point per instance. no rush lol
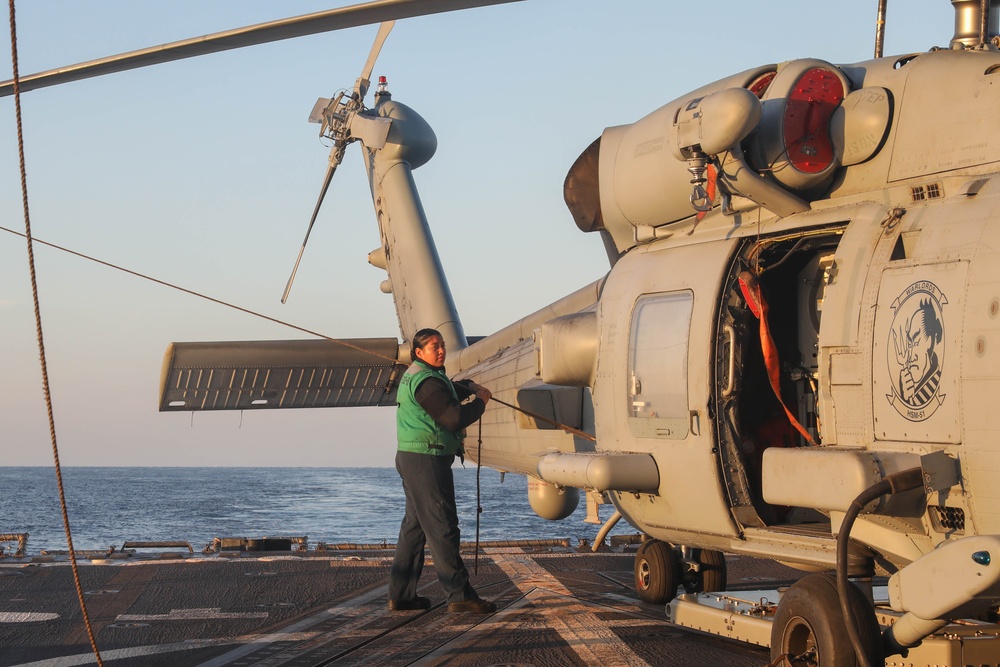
(656, 572)
(809, 627)
(710, 573)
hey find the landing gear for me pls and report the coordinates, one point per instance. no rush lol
(657, 574)
(809, 627)
(703, 570)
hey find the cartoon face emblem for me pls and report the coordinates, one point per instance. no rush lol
(916, 356)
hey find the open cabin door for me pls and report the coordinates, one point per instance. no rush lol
(791, 272)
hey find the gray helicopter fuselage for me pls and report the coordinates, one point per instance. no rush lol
(802, 310)
(896, 246)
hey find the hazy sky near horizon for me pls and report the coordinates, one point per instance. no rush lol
(204, 172)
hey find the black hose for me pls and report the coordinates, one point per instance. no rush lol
(895, 483)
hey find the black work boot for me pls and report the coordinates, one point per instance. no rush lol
(409, 605)
(473, 606)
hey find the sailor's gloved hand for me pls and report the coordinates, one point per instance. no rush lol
(483, 394)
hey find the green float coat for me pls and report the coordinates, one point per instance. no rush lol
(416, 429)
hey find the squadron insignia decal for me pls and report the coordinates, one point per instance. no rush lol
(916, 357)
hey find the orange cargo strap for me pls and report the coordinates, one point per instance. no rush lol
(755, 299)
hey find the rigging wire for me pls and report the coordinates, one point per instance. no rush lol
(41, 338)
(197, 294)
(564, 427)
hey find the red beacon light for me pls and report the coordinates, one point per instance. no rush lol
(793, 143)
(806, 119)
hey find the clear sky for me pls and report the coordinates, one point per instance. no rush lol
(204, 173)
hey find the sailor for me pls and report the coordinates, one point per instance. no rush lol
(430, 424)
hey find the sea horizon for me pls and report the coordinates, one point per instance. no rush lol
(110, 505)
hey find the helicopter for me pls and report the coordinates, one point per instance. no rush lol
(799, 283)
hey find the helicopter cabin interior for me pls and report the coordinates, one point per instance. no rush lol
(785, 276)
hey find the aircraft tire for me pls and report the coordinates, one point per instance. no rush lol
(711, 575)
(809, 617)
(657, 574)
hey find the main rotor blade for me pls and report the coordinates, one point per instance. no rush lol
(361, 87)
(332, 167)
(261, 33)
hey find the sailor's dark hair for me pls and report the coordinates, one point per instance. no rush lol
(421, 338)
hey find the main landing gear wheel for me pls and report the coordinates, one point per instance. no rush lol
(809, 626)
(709, 573)
(656, 572)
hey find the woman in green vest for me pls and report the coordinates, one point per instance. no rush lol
(430, 426)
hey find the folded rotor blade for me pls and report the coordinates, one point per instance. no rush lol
(375, 130)
(296, 26)
(319, 202)
(361, 86)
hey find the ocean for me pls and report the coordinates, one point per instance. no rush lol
(108, 506)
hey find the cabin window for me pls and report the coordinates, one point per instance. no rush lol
(658, 353)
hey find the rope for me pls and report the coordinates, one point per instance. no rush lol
(116, 267)
(479, 504)
(197, 294)
(41, 338)
(569, 429)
